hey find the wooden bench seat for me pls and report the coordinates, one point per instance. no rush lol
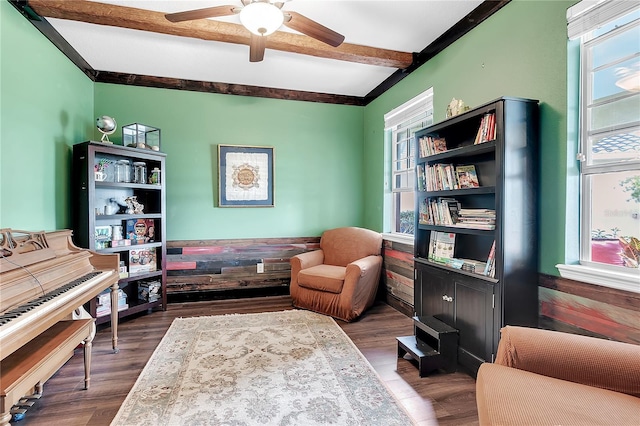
(25, 371)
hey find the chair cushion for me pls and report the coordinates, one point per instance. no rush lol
(342, 246)
(323, 278)
(508, 396)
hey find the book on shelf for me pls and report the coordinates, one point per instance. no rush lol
(474, 266)
(424, 218)
(440, 211)
(442, 246)
(467, 176)
(490, 267)
(441, 177)
(477, 219)
(420, 177)
(487, 129)
(430, 145)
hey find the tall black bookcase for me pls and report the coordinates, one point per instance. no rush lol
(500, 140)
(102, 223)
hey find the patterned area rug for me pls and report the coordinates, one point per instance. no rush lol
(283, 368)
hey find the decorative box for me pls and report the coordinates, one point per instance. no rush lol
(140, 231)
(138, 135)
(149, 291)
(142, 260)
(102, 235)
(120, 243)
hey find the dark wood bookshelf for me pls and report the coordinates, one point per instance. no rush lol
(475, 304)
(90, 195)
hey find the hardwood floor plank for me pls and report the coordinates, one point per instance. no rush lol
(448, 399)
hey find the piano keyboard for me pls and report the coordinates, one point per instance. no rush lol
(14, 313)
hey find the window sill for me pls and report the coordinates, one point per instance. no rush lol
(398, 238)
(628, 281)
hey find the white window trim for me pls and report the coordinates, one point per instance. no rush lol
(581, 18)
(392, 119)
(397, 237)
(621, 280)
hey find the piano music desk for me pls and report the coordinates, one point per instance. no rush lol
(25, 371)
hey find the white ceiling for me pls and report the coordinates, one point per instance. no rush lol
(407, 26)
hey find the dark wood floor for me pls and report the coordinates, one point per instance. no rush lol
(448, 399)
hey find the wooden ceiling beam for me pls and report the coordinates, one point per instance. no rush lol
(207, 29)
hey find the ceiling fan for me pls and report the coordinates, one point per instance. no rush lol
(261, 18)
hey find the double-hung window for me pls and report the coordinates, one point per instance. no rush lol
(401, 123)
(609, 146)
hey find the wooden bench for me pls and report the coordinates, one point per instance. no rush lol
(25, 371)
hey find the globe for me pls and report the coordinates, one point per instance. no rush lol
(106, 125)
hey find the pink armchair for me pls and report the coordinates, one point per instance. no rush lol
(341, 279)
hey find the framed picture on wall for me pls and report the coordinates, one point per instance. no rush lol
(245, 176)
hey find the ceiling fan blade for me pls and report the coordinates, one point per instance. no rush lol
(256, 48)
(307, 26)
(209, 12)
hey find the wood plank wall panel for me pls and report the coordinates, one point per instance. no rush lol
(195, 266)
(397, 276)
(583, 308)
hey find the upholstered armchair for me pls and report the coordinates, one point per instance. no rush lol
(341, 278)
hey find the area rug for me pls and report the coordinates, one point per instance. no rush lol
(283, 368)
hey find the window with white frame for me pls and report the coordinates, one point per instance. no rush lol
(609, 153)
(402, 122)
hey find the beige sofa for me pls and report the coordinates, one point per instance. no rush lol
(543, 377)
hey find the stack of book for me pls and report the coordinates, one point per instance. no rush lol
(487, 130)
(477, 219)
(440, 211)
(103, 302)
(446, 177)
(473, 266)
(430, 145)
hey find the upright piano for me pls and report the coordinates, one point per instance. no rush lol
(44, 281)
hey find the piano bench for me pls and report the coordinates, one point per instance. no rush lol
(25, 371)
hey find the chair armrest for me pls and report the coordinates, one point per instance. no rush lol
(302, 261)
(361, 281)
(307, 259)
(581, 359)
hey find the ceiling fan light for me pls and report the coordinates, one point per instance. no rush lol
(261, 18)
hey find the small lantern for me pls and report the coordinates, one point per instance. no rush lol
(141, 136)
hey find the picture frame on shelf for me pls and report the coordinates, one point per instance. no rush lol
(245, 176)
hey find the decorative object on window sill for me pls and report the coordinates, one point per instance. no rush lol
(455, 107)
(245, 176)
(107, 126)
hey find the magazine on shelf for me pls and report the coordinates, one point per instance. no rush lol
(490, 268)
(467, 176)
(443, 245)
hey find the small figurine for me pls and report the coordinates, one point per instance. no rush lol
(455, 107)
(133, 206)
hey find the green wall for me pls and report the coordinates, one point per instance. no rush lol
(325, 154)
(46, 105)
(318, 159)
(519, 51)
